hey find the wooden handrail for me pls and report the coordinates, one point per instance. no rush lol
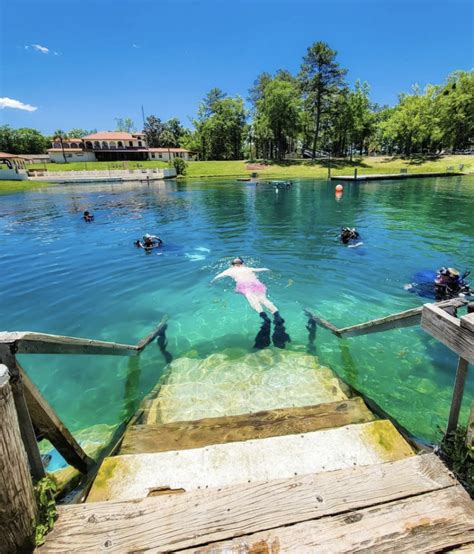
(33, 410)
(456, 334)
(398, 320)
(27, 342)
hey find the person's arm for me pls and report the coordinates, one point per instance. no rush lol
(220, 275)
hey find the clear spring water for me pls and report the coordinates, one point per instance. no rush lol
(61, 275)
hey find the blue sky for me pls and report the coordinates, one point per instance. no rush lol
(105, 58)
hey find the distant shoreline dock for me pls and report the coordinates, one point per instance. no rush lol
(393, 176)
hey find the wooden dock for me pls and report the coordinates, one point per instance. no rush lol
(323, 477)
(393, 176)
(257, 453)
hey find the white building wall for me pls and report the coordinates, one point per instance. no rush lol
(57, 156)
(164, 156)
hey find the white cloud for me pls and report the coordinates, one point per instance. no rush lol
(40, 48)
(16, 104)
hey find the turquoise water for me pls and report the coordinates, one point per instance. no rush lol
(60, 275)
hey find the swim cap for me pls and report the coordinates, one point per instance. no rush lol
(147, 236)
(454, 272)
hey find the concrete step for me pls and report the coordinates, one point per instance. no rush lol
(131, 477)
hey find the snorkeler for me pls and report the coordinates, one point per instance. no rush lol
(149, 242)
(87, 217)
(349, 236)
(255, 291)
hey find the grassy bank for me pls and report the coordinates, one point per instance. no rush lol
(319, 170)
(7, 187)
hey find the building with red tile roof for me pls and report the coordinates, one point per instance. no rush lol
(111, 146)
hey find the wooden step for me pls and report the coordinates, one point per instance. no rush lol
(399, 501)
(132, 477)
(427, 523)
(185, 402)
(183, 435)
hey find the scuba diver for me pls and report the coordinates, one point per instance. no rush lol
(349, 236)
(449, 283)
(149, 242)
(444, 284)
(87, 217)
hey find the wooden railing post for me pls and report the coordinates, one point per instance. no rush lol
(458, 392)
(17, 497)
(8, 358)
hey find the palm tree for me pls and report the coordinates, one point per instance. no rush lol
(61, 135)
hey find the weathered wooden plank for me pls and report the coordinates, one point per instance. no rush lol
(183, 520)
(465, 549)
(467, 321)
(426, 523)
(470, 428)
(45, 420)
(398, 320)
(17, 497)
(286, 421)
(8, 358)
(324, 323)
(458, 392)
(447, 329)
(161, 328)
(41, 343)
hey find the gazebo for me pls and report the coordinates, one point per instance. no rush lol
(15, 169)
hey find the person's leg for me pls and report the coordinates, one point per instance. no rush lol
(254, 302)
(266, 302)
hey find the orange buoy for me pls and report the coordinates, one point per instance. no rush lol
(339, 188)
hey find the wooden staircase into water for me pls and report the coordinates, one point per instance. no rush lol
(265, 453)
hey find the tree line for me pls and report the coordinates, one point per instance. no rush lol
(312, 113)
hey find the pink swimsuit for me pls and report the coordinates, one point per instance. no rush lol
(251, 287)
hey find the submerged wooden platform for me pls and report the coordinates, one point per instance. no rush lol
(322, 474)
(392, 176)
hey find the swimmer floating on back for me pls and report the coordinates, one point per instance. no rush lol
(255, 291)
(149, 242)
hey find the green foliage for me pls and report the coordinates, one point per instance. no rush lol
(277, 118)
(220, 126)
(47, 513)
(159, 134)
(459, 457)
(124, 124)
(180, 165)
(22, 141)
(321, 80)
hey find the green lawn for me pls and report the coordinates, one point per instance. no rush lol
(366, 165)
(7, 187)
(285, 169)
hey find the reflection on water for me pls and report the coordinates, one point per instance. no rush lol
(62, 276)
